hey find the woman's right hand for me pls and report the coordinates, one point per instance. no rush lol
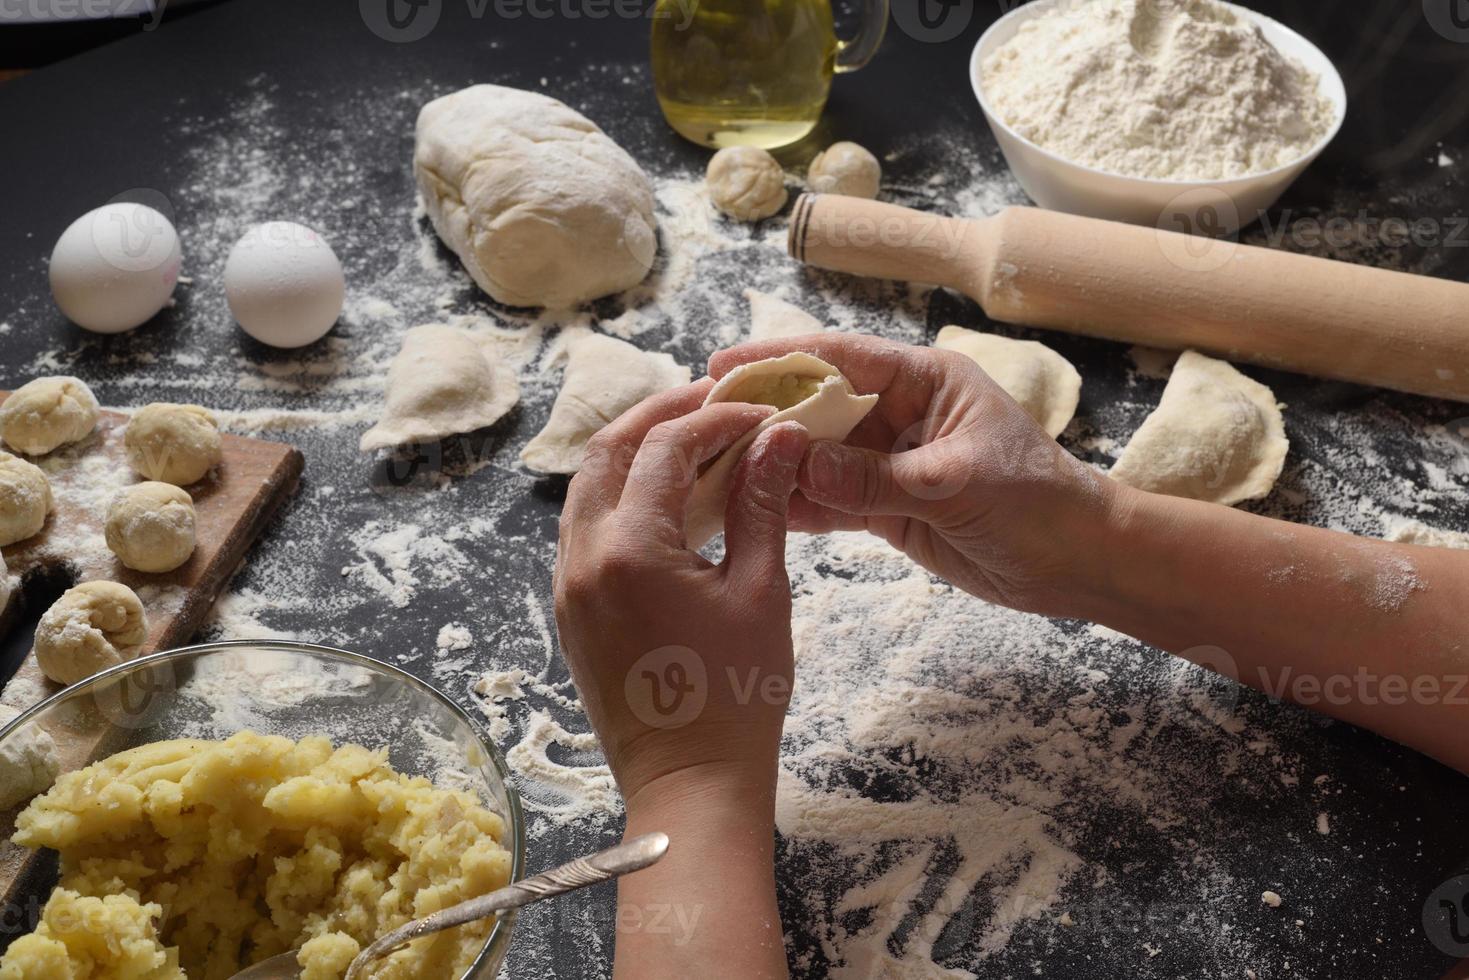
(950, 470)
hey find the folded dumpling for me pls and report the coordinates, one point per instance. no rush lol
(1041, 381)
(444, 381)
(604, 378)
(1216, 435)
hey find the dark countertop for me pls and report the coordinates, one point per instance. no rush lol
(153, 112)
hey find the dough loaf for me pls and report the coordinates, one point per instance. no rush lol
(604, 378)
(746, 183)
(25, 499)
(176, 444)
(150, 527)
(47, 413)
(1216, 435)
(540, 205)
(847, 169)
(772, 318)
(444, 381)
(1041, 381)
(805, 389)
(90, 628)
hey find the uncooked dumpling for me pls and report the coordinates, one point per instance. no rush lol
(540, 205)
(805, 389)
(443, 382)
(1041, 381)
(771, 318)
(604, 378)
(1216, 435)
(46, 413)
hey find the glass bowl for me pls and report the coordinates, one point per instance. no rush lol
(272, 687)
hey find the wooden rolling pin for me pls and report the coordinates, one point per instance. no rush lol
(1160, 289)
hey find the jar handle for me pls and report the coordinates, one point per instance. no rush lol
(858, 51)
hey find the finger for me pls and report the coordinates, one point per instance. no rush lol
(918, 484)
(870, 363)
(809, 517)
(759, 495)
(656, 494)
(597, 486)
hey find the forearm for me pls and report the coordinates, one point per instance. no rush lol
(1367, 631)
(708, 908)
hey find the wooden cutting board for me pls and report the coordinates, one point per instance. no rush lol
(233, 505)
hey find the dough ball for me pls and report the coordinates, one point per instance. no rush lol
(175, 444)
(540, 205)
(284, 284)
(47, 413)
(1216, 435)
(746, 183)
(115, 267)
(29, 762)
(25, 499)
(90, 628)
(150, 527)
(847, 169)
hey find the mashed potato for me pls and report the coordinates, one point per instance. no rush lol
(192, 859)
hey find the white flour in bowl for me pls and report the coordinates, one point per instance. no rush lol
(1166, 89)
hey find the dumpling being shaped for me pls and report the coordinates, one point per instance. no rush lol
(1216, 435)
(804, 389)
(604, 378)
(444, 381)
(772, 318)
(1041, 381)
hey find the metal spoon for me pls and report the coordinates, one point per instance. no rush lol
(625, 858)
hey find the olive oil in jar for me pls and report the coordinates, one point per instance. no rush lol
(755, 72)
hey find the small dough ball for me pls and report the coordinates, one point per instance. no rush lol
(29, 762)
(175, 444)
(90, 628)
(115, 267)
(47, 413)
(284, 284)
(847, 169)
(25, 499)
(150, 527)
(746, 183)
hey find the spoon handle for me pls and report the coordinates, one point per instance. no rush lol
(625, 858)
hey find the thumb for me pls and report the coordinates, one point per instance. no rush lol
(864, 482)
(759, 495)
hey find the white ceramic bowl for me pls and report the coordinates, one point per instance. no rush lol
(1059, 184)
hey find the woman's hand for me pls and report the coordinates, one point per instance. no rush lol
(684, 668)
(948, 469)
(681, 663)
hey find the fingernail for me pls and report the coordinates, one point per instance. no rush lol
(821, 471)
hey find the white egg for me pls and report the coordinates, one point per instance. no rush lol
(284, 284)
(114, 267)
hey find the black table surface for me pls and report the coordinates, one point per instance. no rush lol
(127, 116)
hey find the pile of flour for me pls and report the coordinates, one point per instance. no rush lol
(1168, 89)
